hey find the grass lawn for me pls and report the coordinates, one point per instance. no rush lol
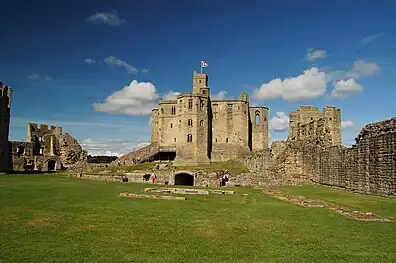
(364, 203)
(232, 166)
(51, 218)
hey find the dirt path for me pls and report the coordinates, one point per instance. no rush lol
(302, 201)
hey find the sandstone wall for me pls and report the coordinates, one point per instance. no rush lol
(230, 123)
(369, 166)
(167, 123)
(259, 127)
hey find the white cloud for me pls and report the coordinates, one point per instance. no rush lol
(36, 76)
(371, 38)
(111, 147)
(348, 124)
(171, 95)
(138, 98)
(89, 61)
(221, 95)
(313, 54)
(279, 122)
(360, 68)
(111, 19)
(113, 61)
(145, 70)
(345, 88)
(363, 68)
(309, 85)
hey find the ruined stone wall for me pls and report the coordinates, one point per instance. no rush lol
(307, 123)
(46, 139)
(259, 127)
(369, 166)
(167, 123)
(5, 111)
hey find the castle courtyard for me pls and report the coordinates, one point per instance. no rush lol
(47, 218)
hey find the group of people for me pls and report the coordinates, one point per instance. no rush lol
(222, 181)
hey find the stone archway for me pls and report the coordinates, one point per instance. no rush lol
(184, 178)
(51, 165)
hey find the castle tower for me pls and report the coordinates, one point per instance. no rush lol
(154, 126)
(200, 84)
(332, 119)
(5, 112)
(259, 127)
(194, 125)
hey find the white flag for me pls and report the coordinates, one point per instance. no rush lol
(204, 64)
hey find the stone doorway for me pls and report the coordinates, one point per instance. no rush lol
(51, 165)
(184, 179)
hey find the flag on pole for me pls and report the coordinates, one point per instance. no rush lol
(204, 64)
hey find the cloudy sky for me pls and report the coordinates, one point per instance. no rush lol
(97, 68)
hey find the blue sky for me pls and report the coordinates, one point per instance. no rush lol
(64, 59)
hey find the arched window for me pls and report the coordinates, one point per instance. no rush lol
(162, 111)
(226, 139)
(189, 137)
(189, 122)
(201, 123)
(171, 125)
(173, 110)
(257, 117)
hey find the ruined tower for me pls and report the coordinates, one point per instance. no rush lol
(194, 125)
(5, 111)
(259, 127)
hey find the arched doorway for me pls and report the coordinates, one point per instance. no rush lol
(184, 179)
(51, 165)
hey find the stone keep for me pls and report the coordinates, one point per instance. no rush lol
(201, 130)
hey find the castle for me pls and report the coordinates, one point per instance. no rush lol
(194, 129)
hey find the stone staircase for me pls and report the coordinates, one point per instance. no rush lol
(141, 155)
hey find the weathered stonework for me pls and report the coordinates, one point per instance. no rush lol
(193, 129)
(46, 149)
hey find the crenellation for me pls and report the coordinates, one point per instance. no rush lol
(204, 130)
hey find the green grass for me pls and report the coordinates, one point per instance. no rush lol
(365, 203)
(52, 218)
(232, 166)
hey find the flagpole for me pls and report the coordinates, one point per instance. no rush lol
(201, 67)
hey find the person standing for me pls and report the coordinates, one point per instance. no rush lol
(153, 177)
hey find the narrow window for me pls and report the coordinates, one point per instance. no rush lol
(216, 140)
(190, 122)
(162, 111)
(174, 139)
(173, 110)
(257, 118)
(171, 125)
(226, 139)
(189, 138)
(40, 139)
(190, 104)
(41, 151)
(201, 123)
